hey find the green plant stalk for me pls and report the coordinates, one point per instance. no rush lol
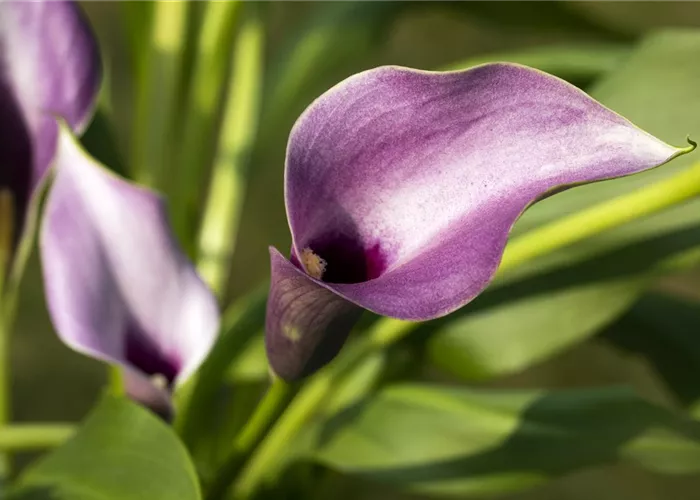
(240, 322)
(386, 331)
(217, 237)
(209, 76)
(28, 437)
(266, 413)
(5, 386)
(158, 77)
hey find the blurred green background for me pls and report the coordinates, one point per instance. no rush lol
(651, 340)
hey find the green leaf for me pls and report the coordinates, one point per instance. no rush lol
(516, 334)
(458, 442)
(664, 329)
(121, 452)
(571, 294)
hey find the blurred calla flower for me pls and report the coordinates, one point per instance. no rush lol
(48, 67)
(402, 186)
(117, 285)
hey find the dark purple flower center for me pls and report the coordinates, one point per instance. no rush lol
(348, 260)
(16, 158)
(144, 355)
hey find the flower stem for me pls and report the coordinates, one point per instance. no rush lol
(6, 320)
(272, 405)
(27, 437)
(209, 77)
(158, 76)
(217, 238)
(386, 331)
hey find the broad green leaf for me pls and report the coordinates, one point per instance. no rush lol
(571, 294)
(459, 442)
(664, 329)
(577, 63)
(509, 337)
(121, 452)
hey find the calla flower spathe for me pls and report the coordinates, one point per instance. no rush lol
(118, 287)
(48, 67)
(402, 186)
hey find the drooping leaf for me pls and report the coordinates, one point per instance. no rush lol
(664, 329)
(459, 442)
(529, 315)
(121, 452)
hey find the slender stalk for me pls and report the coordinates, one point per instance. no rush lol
(28, 437)
(201, 109)
(269, 409)
(217, 238)
(6, 316)
(386, 331)
(5, 387)
(158, 78)
(116, 381)
(240, 322)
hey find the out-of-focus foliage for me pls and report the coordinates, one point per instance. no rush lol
(527, 319)
(518, 339)
(121, 451)
(451, 442)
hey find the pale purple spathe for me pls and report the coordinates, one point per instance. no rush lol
(117, 286)
(407, 183)
(49, 66)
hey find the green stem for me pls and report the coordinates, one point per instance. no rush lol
(28, 437)
(6, 320)
(240, 323)
(158, 78)
(273, 404)
(201, 110)
(313, 394)
(217, 238)
(116, 380)
(386, 331)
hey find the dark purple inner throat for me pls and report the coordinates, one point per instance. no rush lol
(144, 355)
(347, 259)
(16, 156)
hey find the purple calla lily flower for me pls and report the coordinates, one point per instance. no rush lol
(117, 285)
(49, 67)
(402, 186)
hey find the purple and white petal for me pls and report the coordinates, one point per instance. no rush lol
(402, 186)
(118, 287)
(407, 183)
(49, 66)
(306, 324)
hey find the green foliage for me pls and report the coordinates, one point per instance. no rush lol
(460, 442)
(573, 293)
(121, 452)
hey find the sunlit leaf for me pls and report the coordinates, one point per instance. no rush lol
(459, 442)
(121, 452)
(571, 294)
(664, 330)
